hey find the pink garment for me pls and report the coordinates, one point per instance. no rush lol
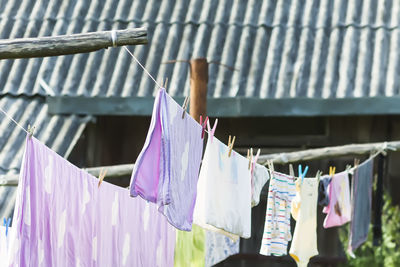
(339, 209)
(62, 218)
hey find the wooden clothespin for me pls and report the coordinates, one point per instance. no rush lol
(102, 174)
(270, 164)
(250, 157)
(166, 83)
(203, 125)
(184, 106)
(31, 130)
(291, 170)
(230, 145)
(356, 162)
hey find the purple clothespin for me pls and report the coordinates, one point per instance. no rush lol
(203, 125)
(212, 131)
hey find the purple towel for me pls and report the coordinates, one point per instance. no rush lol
(62, 218)
(361, 192)
(167, 169)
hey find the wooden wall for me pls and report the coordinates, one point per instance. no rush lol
(118, 140)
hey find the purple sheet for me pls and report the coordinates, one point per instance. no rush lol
(167, 169)
(62, 218)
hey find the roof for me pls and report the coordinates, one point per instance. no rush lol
(59, 132)
(281, 49)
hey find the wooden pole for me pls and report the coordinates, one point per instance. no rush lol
(70, 44)
(328, 152)
(198, 87)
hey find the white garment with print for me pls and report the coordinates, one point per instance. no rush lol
(224, 191)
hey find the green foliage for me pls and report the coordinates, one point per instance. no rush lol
(388, 252)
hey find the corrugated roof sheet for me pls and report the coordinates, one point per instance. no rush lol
(59, 132)
(316, 48)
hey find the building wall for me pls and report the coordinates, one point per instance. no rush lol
(118, 140)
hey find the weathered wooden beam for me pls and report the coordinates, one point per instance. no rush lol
(328, 152)
(112, 171)
(278, 158)
(70, 44)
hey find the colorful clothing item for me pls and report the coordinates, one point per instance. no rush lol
(259, 178)
(304, 244)
(167, 169)
(190, 248)
(224, 191)
(277, 219)
(339, 209)
(361, 192)
(62, 218)
(323, 193)
(219, 248)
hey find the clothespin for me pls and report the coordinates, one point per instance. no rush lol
(184, 106)
(102, 174)
(270, 164)
(319, 173)
(230, 145)
(332, 171)
(348, 167)
(249, 157)
(291, 170)
(166, 83)
(356, 162)
(31, 130)
(302, 174)
(254, 160)
(203, 125)
(7, 224)
(211, 131)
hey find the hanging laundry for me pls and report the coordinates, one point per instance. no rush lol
(167, 168)
(361, 195)
(260, 176)
(323, 193)
(277, 219)
(339, 208)
(62, 218)
(6, 236)
(219, 247)
(190, 248)
(304, 244)
(224, 191)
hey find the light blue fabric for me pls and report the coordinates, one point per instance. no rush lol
(219, 247)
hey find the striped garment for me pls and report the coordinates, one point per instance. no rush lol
(282, 190)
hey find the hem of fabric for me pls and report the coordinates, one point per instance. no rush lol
(359, 243)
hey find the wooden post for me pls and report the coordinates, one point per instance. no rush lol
(70, 44)
(198, 87)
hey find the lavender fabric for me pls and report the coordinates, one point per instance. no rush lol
(62, 218)
(167, 169)
(361, 191)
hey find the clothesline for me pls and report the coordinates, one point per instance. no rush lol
(277, 158)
